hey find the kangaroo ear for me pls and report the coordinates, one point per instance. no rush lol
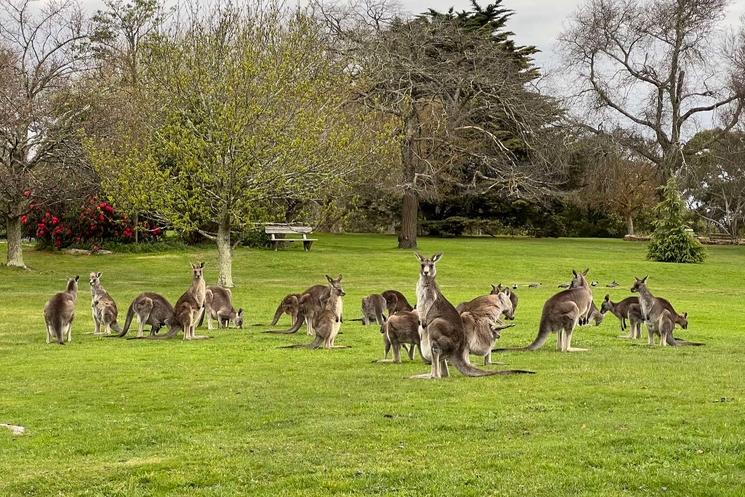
(339, 278)
(685, 315)
(77, 277)
(437, 257)
(587, 270)
(329, 278)
(240, 311)
(98, 274)
(607, 297)
(201, 265)
(494, 287)
(644, 280)
(418, 256)
(574, 273)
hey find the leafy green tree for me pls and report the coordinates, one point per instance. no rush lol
(671, 242)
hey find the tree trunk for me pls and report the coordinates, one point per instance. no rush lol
(630, 224)
(15, 251)
(224, 253)
(410, 206)
(409, 214)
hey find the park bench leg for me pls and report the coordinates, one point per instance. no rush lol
(307, 244)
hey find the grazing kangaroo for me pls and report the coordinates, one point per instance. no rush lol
(511, 293)
(481, 323)
(327, 321)
(441, 333)
(290, 305)
(59, 312)
(657, 315)
(594, 314)
(219, 305)
(189, 307)
(150, 308)
(372, 309)
(395, 301)
(310, 303)
(563, 312)
(401, 328)
(103, 307)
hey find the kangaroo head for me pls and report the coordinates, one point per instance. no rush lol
(427, 266)
(72, 284)
(335, 284)
(606, 306)
(238, 320)
(95, 279)
(496, 289)
(578, 279)
(506, 304)
(197, 271)
(639, 284)
(682, 320)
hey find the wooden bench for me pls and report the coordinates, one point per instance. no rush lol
(289, 229)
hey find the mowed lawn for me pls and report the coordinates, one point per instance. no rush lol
(235, 415)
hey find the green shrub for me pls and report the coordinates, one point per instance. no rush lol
(670, 242)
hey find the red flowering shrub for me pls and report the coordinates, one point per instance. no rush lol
(94, 222)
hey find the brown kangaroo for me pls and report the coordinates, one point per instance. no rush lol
(563, 312)
(660, 320)
(312, 304)
(481, 323)
(103, 307)
(620, 310)
(395, 301)
(441, 332)
(189, 307)
(290, 305)
(399, 329)
(150, 308)
(59, 312)
(219, 305)
(510, 292)
(372, 309)
(328, 320)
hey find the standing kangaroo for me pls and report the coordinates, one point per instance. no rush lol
(660, 320)
(103, 307)
(310, 303)
(481, 322)
(563, 312)
(290, 305)
(150, 308)
(401, 328)
(373, 307)
(441, 333)
(327, 321)
(219, 306)
(189, 307)
(621, 310)
(395, 301)
(59, 312)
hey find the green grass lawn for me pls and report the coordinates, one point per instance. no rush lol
(235, 415)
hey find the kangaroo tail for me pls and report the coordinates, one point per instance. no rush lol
(543, 333)
(461, 362)
(115, 326)
(57, 327)
(683, 343)
(127, 322)
(277, 314)
(293, 329)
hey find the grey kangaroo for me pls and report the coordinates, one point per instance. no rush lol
(189, 307)
(401, 328)
(290, 305)
(373, 307)
(510, 292)
(441, 332)
(395, 301)
(59, 312)
(310, 304)
(150, 308)
(621, 310)
(563, 312)
(103, 307)
(326, 321)
(659, 319)
(482, 326)
(219, 306)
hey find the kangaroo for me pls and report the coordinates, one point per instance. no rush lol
(510, 292)
(396, 302)
(594, 314)
(401, 328)
(59, 312)
(372, 309)
(441, 332)
(327, 321)
(619, 309)
(103, 307)
(290, 305)
(481, 323)
(659, 318)
(313, 304)
(150, 308)
(219, 306)
(189, 307)
(563, 312)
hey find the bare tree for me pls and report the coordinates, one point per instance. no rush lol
(466, 115)
(652, 67)
(42, 48)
